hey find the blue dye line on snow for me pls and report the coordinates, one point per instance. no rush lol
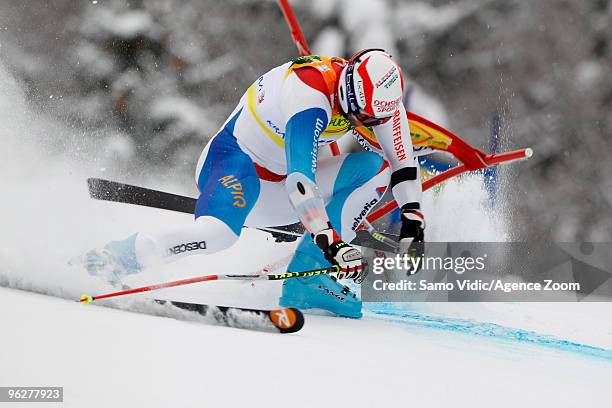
(390, 312)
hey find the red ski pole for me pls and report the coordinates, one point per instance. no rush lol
(206, 278)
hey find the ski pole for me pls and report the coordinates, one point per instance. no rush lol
(380, 237)
(206, 278)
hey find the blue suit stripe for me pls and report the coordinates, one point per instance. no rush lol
(301, 141)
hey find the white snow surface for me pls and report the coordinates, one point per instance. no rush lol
(104, 357)
(421, 354)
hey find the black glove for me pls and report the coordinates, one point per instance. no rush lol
(340, 253)
(412, 234)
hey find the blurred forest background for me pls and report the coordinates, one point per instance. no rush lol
(160, 77)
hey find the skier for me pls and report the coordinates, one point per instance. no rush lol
(261, 168)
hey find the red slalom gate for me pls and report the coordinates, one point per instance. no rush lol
(462, 150)
(294, 26)
(297, 35)
(491, 160)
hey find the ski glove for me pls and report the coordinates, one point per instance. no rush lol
(412, 234)
(340, 253)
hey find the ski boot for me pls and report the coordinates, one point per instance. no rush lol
(113, 262)
(318, 292)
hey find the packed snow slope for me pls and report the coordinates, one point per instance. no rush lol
(426, 354)
(105, 357)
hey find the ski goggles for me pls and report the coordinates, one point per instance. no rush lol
(355, 114)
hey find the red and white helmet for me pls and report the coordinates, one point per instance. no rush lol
(370, 88)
